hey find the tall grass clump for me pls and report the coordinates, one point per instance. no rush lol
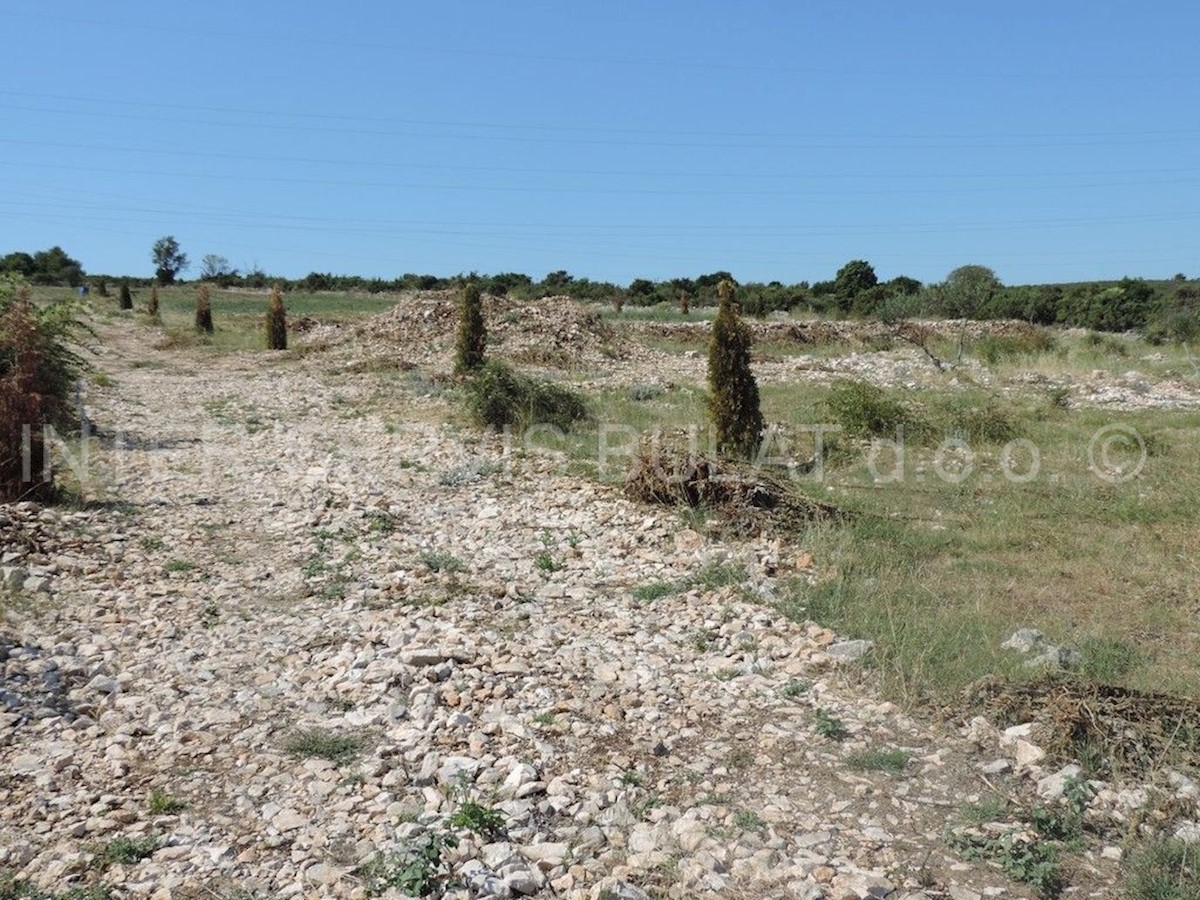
(733, 393)
(204, 320)
(38, 370)
(276, 322)
(498, 396)
(472, 332)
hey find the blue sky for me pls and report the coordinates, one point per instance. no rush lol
(1050, 141)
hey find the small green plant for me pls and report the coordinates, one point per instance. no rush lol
(478, 818)
(733, 406)
(748, 820)
(1031, 861)
(337, 748)
(178, 565)
(653, 590)
(163, 804)
(830, 726)
(547, 563)
(438, 561)
(471, 340)
(640, 393)
(485, 821)
(795, 687)
(150, 544)
(12, 888)
(1107, 660)
(1163, 870)
(726, 673)
(276, 322)
(419, 869)
(718, 575)
(125, 850)
(545, 718)
(631, 778)
(892, 761)
(988, 809)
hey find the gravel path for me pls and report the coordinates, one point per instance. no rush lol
(297, 560)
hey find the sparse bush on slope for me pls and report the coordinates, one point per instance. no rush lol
(37, 378)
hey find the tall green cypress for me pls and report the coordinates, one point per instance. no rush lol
(472, 332)
(733, 402)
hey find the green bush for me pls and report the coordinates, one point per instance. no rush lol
(864, 410)
(994, 348)
(498, 396)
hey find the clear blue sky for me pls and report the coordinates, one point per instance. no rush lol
(1052, 141)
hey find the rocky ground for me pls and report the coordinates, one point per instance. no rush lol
(303, 633)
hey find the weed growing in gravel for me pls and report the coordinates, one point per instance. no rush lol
(544, 719)
(748, 820)
(125, 850)
(653, 590)
(726, 673)
(718, 575)
(337, 748)
(439, 561)
(478, 818)
(1032, 862)
(830, 726)
(1164, 870)
(989, 809)
(12, 888)
(150, 544)
(416, 870)
(162, 804)
(547, 563)
(795, 688)
(631, 778)
(892, 761)
(178, 565)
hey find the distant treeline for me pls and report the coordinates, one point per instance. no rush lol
(1164, 310)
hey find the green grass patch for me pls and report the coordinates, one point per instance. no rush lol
(892, 761)
(317, 742)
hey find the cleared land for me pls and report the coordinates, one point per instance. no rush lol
(308, 619)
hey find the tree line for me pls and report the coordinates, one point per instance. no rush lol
(1165, 310)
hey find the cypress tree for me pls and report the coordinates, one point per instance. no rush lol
(276, 322)
(733, 402)
(126, 298)
(204, 310)
(472, 333)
